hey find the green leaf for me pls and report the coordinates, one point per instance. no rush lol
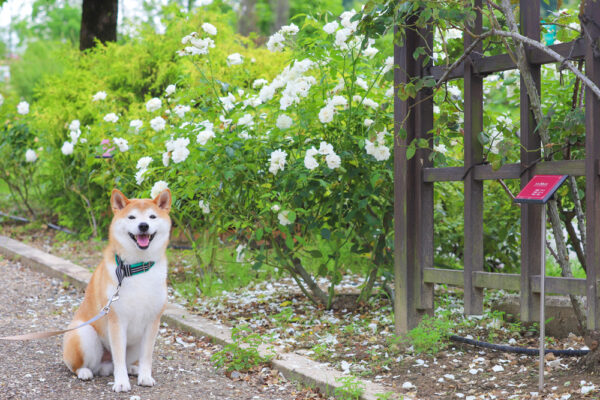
(315, 254)
(410, 151)
(325, 233)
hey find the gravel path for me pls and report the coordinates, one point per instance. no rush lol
(32, 302)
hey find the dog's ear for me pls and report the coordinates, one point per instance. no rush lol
(163, 200)
(118, 201)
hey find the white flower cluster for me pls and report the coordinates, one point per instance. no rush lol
(198, 46)
(277, 161)
(30, 156)
(283, 121)
(74, 133)
(283, 217)
(153, 104)
(234, 59)
(246, 120)
(111, 117)
(204, 206)
(276, 41)
(122, 144)
(158, 188)
(136, 124)
(348, 29)
(259, 83)
(23, 108)
(209, 28)
(388, 65)
(158, 123)
(228, 101)
(180, 110)
(328, 112)
(170, 90)
(99, 96)
(206, 134)
(142, 167)
(365, 101)
(378, 149)
(178, 149)
(296, 85)
(333, 160)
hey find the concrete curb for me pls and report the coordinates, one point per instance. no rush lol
(291, 365)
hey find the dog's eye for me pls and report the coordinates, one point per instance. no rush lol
(152, 216)
(131, 217)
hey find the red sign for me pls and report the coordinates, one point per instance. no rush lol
(540, 188)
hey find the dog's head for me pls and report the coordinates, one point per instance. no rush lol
(140, 227)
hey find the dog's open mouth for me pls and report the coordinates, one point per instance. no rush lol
(142, 240)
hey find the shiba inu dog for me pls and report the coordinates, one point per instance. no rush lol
(134, 264)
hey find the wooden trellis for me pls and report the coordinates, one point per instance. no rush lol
(414, 179)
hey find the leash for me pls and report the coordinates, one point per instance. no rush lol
(123, 270)
(47, 334)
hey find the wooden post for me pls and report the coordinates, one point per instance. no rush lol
(413, 199)
(592, 154)
(531, 215)
(473, 206)
(424, 190)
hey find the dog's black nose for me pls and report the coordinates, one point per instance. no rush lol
(143, 227)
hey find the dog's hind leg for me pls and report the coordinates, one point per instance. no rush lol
(82, 351)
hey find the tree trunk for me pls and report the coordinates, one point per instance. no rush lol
(98, 21)
(247, 17)
(282, 13)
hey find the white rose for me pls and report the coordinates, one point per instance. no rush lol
(170, 90)
(158, 188)
(234, 59)
(209, 28)
(283, 121)
(23, 108)
(158, 124)
(153, 104)
(67, 148)
(330, 27)
(99, 96)
(111, 117)
(30, 156)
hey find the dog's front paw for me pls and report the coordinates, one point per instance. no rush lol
(124, 386)
(146, 380)
(85, 374)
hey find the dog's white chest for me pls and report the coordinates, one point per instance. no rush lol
(141, 300)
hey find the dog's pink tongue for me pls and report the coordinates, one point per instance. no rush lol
(143, 240)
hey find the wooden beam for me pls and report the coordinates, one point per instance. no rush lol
(453, 277)
(502, 62)
(496, 280)
(507, 171)
(560, 285)
(488, 280)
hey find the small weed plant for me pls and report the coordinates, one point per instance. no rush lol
(351, 388)
(431, 335)
(242, 354)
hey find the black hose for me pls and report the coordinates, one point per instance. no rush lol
(180, 247)
(519, 350)
(15, 218)
(49, 224)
